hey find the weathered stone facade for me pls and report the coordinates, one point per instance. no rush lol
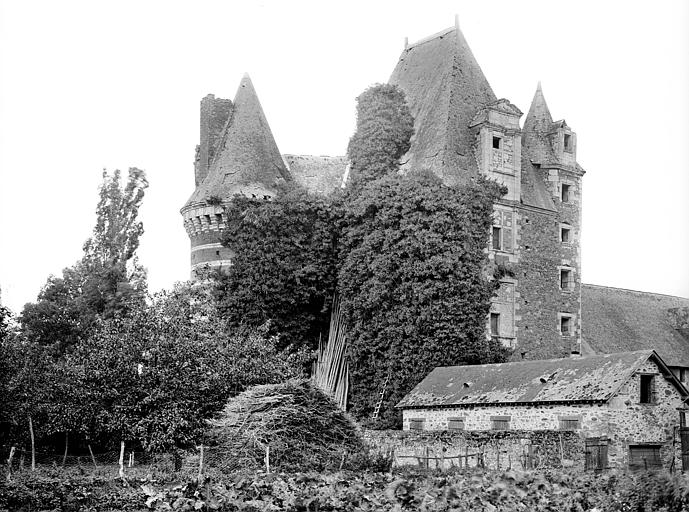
(625, 420)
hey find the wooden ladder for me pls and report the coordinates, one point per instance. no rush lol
(376, 411)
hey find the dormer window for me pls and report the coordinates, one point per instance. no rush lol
(568, 142)
(497, 142)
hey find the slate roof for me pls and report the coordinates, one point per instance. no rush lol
(247, 160)
(588, 379)
(614, 319)
(445, 88)
(319, 174)
(537, 125)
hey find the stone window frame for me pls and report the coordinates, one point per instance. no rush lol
(571, 282)
(572, 319)
(460, 423)
(417, 423)
(568, 148)
(566, 227)
(569, 418)
(499, 225)
(500, 422)
(652, 392)
(569, 190)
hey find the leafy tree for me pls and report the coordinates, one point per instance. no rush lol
(413, 283)
(383, 132)
(284, 267)
(106, 279)
(155, 376)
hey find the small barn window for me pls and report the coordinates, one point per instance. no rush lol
(646, 389)
(500, 422)
(455, 424)
(644, 456)
(596, 454)
(416, 423)
(570, 423)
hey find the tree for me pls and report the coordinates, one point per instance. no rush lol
(284, 268)
(106, 280)
(413, 283)
(384, 128)
(155, 376)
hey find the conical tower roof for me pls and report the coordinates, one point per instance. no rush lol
(537, 125)
(247, 160)
(445, 88)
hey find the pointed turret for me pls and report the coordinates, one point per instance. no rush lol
(445, 88)
(247, 160)
(537, 126)
(239, 158)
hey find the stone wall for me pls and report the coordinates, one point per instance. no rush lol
(623, 421)
(498, 450)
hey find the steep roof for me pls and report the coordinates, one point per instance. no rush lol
(320, 174)
(533, 190)
(445, 88)
(537, 125)
(247, 160)
(595, 378)
(614, 319)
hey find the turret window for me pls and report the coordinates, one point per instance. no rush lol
(568, 142)
(497, 142)
(565, 234)
(565, 193)
(566, 279)
(566, 324)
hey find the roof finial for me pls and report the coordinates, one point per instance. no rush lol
(538, 88)
(406, 43)
(457, 22)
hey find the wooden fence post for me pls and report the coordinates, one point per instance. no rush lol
(200, 463)
(9, 463)
(93, 458)
(121, 459)
(33, 446)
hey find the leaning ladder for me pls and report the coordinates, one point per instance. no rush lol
(376, 411)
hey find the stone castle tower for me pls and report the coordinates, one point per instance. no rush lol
(461, 130)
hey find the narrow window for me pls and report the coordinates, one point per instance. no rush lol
(565, 193)
(564, 235)
(416, 423)
(455, 424)
(500, 422)
(497, 142)
(566, 281)
(644, 456)
(565, 325)
(596, 454)
(570, 423)
(495, 324)
(497, 238)
(568, 142)
(646, 389)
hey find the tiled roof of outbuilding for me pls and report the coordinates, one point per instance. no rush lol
(594, 378)
(319, 174)
(445, 88)
(615, 319)
(247, 160)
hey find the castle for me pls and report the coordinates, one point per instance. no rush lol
(461, 130)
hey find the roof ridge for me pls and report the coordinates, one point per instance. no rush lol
(431, 37)
(634, 291)
(527, 361)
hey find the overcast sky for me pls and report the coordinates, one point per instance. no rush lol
(92, 85)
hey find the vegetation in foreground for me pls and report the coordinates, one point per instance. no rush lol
(357, 491)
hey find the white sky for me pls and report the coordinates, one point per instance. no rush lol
(92, 85)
